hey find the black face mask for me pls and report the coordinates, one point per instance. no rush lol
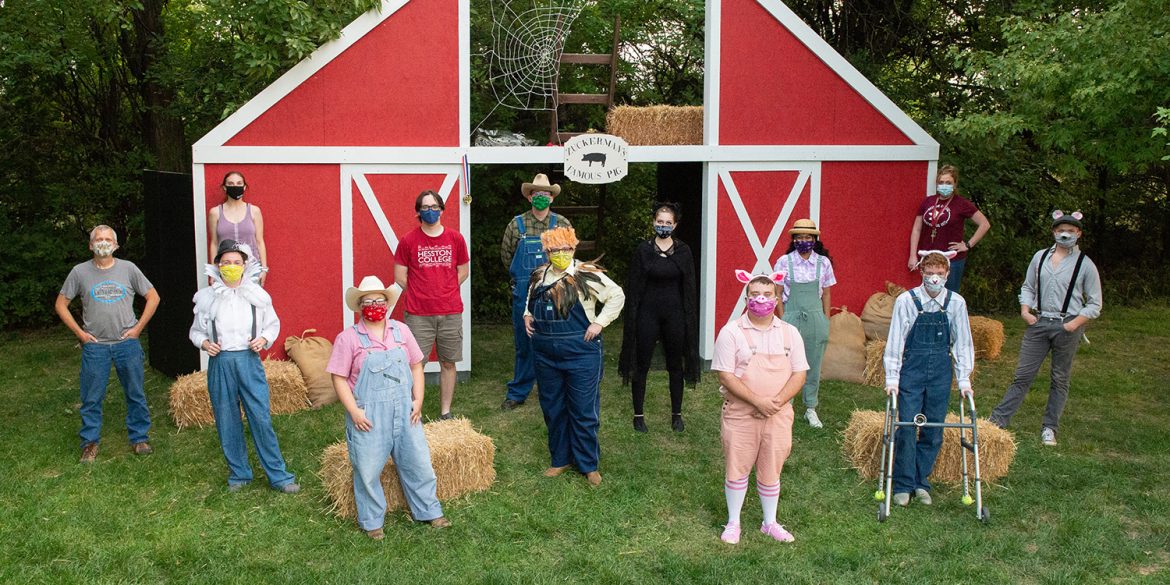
(234, 191)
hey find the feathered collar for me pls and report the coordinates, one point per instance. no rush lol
(571, 287)
(208, 300)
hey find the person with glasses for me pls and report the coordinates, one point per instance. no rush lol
(430, 265)
(564, 323)
(234, 320)
(377, 370)
(521, 252)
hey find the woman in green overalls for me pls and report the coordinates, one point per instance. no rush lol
(808, 273)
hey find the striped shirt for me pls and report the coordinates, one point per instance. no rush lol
(905, 313)
(805, 271)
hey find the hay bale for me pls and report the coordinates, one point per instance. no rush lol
(190, 404)
(863, 441)
(845, 355)
(654, 125)
(875, 368)
(464, 462)
(988, 337)
(878, 310)
(311, 354)
(287, 391)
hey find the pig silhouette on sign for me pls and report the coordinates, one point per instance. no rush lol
(593, 157)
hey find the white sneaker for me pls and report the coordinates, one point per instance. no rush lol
(1048, 437)
(810, 414)
(922, 496)
(902, 499)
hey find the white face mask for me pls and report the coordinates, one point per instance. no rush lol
(103, 248)
(933, 282)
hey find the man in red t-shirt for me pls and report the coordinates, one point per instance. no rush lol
(430, 265)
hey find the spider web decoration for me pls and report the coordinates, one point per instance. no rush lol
(524, 60)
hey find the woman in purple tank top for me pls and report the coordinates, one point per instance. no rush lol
(233, 219)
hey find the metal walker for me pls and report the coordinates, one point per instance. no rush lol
(884, 493)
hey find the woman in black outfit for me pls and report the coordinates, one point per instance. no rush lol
(661, 303)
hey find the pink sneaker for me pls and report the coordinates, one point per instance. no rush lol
(778, 532)
(730, 533)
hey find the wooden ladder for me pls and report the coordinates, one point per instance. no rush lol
(556, 136)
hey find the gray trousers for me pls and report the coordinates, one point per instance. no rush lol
(1047, 335)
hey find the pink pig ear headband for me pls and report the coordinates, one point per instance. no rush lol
(746, 277)
(948, 254)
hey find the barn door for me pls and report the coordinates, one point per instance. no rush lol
(377, 208)
(748, 210)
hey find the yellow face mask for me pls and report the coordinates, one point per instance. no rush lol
(561, 259)
(231, 273)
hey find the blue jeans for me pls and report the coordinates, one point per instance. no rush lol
(127, 359)
(568, 369)
(235, 378)
(956, 275)
(524, 375)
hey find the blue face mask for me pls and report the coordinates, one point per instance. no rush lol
(663, 231)
(945, 190)
(430, 215)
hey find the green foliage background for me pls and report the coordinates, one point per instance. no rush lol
(1041, 103)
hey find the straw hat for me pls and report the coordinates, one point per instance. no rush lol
(804, 226)
(540, 183)
(370, 284)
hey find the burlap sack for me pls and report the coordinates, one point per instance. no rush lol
(878, 310)
(311, 355)
(845, 355)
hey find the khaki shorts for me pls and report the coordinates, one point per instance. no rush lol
(444, 331)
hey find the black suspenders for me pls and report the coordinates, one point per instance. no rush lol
(1072, 282)
(215, 336)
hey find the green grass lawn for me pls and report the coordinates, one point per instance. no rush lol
(1095, 509)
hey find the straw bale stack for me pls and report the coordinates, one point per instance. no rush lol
(190, 405)
(463, 460)
(654, 125)
(988, 337)
(863, 442)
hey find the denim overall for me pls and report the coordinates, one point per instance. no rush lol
(529, 255)
(925, 387)
(568, 369)
(383, 391)
(805, 311)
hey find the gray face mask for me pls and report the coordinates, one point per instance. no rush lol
(1066, 239)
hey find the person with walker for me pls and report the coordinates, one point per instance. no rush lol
(929, 339)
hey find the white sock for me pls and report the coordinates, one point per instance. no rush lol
(735, 491)
(769, 499)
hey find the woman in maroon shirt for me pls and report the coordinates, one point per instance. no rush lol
(940, 222)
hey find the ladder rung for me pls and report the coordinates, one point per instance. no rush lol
(583, 98)
(586, 59)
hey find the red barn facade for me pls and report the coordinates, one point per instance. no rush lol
(336, 150)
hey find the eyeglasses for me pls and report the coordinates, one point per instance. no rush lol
(430, 208)
(377, 303)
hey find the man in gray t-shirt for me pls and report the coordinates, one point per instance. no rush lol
(107, 287)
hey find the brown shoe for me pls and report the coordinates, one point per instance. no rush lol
(594, 478)
(142, 448)
(376, 534)
(89, 453)
(440, 522)
(555, 471)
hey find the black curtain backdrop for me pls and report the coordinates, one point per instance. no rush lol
(170, 266)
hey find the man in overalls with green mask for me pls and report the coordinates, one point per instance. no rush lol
(521, 252)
